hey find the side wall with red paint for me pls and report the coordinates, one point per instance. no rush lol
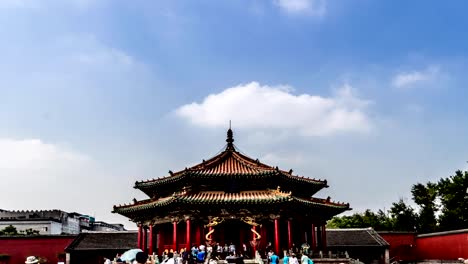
(449, 245)
(443, 246)
(49, 247)
(402, 245)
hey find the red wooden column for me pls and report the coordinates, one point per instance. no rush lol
(289, 234)
(198, 234)
(319, 237)
(145, 240)
(140, 240)
(174, 235)
(277, 236)
(151, 240)
(324, 238)
(264, 239)
(188, 238)
(313, 238)
(254, 240)
(161, 233)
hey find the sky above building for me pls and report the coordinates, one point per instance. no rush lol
(97, 94)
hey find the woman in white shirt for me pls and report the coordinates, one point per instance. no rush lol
(293, 259)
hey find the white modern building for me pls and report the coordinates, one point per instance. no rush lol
(53, 222)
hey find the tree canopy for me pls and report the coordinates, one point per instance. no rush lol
(442, 206)
(12, 231)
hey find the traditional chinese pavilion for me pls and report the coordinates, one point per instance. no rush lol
(231, 198)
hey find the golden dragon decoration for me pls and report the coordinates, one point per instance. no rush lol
(214, 222)
(250, 221)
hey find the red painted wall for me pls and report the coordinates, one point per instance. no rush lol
(402, 245)
(19, 248)
(450, 246)
(444, 246)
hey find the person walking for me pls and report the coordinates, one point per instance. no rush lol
(305, 259)
(274, 259)
(201, 254)
(170, 258)
(286, 259)
(293, 259)
(141, 258)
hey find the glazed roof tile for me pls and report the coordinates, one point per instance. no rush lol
(245, 197)
(104, 241)
(363, 237)
(227, 163)
(231, 163)
(218, 197)
(318, 201)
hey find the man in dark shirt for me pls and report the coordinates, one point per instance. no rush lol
(141, 257)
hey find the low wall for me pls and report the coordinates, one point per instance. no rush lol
(440, 262)
(331, 261)
(405, 246)
(19, 248)
(449, 245)
(402, 245)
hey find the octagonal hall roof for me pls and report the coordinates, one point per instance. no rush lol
(230, 182)
(229, 164)
(218, 198)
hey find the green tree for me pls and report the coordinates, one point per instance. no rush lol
(346, 221)
(29, 232)
(404, 217)
(453, 195)
(378, 221)
(452, 192)
(385, 221)
(9, 231)
(425, 196)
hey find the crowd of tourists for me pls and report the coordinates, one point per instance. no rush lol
(196, 255)
(202, 254)
(210, 254)
(289, 258)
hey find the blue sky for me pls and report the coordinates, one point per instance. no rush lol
(94, 95)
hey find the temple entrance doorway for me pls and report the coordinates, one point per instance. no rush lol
(234, 232)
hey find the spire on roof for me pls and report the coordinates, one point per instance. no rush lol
(230, 138)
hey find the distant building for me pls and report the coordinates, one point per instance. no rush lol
(92, 247)
(364, 244)
(54, 222)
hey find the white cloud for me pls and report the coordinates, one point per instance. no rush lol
(255, 106)
(310, 7)
(32, 154)
(408, 79)
(68, 73)
(37, 175)
(31, 165)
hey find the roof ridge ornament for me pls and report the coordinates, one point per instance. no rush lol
(230, 138)
(278, 192)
